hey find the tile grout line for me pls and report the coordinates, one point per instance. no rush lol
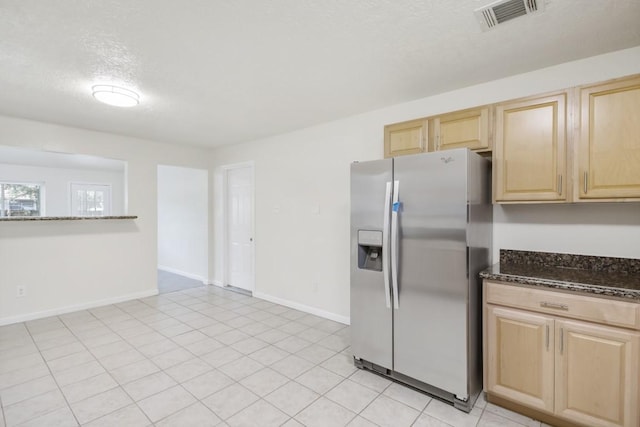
(105, 370)
(313, 401)
(179, 384)
(261, 398)
(149, 359)
(213, 368)
(97, 361)
(128, 364)
(51, 372)
(205, 299)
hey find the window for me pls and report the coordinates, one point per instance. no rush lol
(21, 199)
(90, 199)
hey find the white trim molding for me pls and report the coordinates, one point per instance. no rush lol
(183, 273)
(77, 307)
(217, 283)
(307, 309)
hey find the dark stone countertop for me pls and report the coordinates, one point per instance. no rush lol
(63, 218)
(606, 276)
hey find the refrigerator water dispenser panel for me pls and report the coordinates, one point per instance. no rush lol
(370, 250)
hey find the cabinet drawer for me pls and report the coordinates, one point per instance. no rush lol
(593, 309)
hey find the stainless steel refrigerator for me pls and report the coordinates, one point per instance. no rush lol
(420, 234)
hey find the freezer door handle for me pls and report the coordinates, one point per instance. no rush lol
(394, 243)
(385, 244)
(468, 260)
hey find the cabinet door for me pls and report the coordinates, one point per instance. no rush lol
(530, 150)
(519, 357)
(463, 129)
(609, 141)
(405, 138)
(597, 374)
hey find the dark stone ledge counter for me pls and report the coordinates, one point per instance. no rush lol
(64, 218)
(602, 276)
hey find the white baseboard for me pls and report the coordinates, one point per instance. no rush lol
(77, 307)
(307, 309)
(183, 273)
(217, 283)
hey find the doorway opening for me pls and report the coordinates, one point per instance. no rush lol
(183, 228)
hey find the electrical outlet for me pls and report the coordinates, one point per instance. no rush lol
(21, 291)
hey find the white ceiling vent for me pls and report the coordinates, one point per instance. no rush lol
(504, 10)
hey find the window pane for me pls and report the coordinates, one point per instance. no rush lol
(20, 199)
(90, 199)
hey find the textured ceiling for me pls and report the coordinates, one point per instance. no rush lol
(213, 72)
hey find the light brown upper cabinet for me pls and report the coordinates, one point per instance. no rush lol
(608, 141)
(405, 138)
(577, 145)
(462, 129)
(529, 161)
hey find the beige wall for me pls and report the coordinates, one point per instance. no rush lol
(68, 265)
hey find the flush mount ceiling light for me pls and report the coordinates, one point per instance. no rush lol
(115, 95)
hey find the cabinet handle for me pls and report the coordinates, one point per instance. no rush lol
(554, 305)
(586, 181)
(546, 338)
(561, 340)
(560, 185)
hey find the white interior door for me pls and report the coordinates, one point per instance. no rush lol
(239, 227)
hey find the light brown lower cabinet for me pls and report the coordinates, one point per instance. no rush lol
(520, 360)
(597, 374)
(571, 370)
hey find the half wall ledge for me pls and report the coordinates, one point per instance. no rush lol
(64, 218)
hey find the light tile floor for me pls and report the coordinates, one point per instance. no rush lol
(171, 282)
(204, 357)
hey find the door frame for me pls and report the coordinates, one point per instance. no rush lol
(225, 229)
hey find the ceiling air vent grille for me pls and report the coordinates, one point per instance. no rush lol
(505, 10)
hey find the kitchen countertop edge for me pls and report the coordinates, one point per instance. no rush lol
(627, 294)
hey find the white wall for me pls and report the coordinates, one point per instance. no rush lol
(183, 221)
(66, 265)
(296, 172)
(57, 201)
(603, 229)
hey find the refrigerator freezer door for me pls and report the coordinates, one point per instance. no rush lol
(371, 321)
(430, 326)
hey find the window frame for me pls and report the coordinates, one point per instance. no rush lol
(41, 196)
(90, 184)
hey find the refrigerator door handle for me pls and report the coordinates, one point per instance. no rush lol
(394, 243)
(385, 244)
